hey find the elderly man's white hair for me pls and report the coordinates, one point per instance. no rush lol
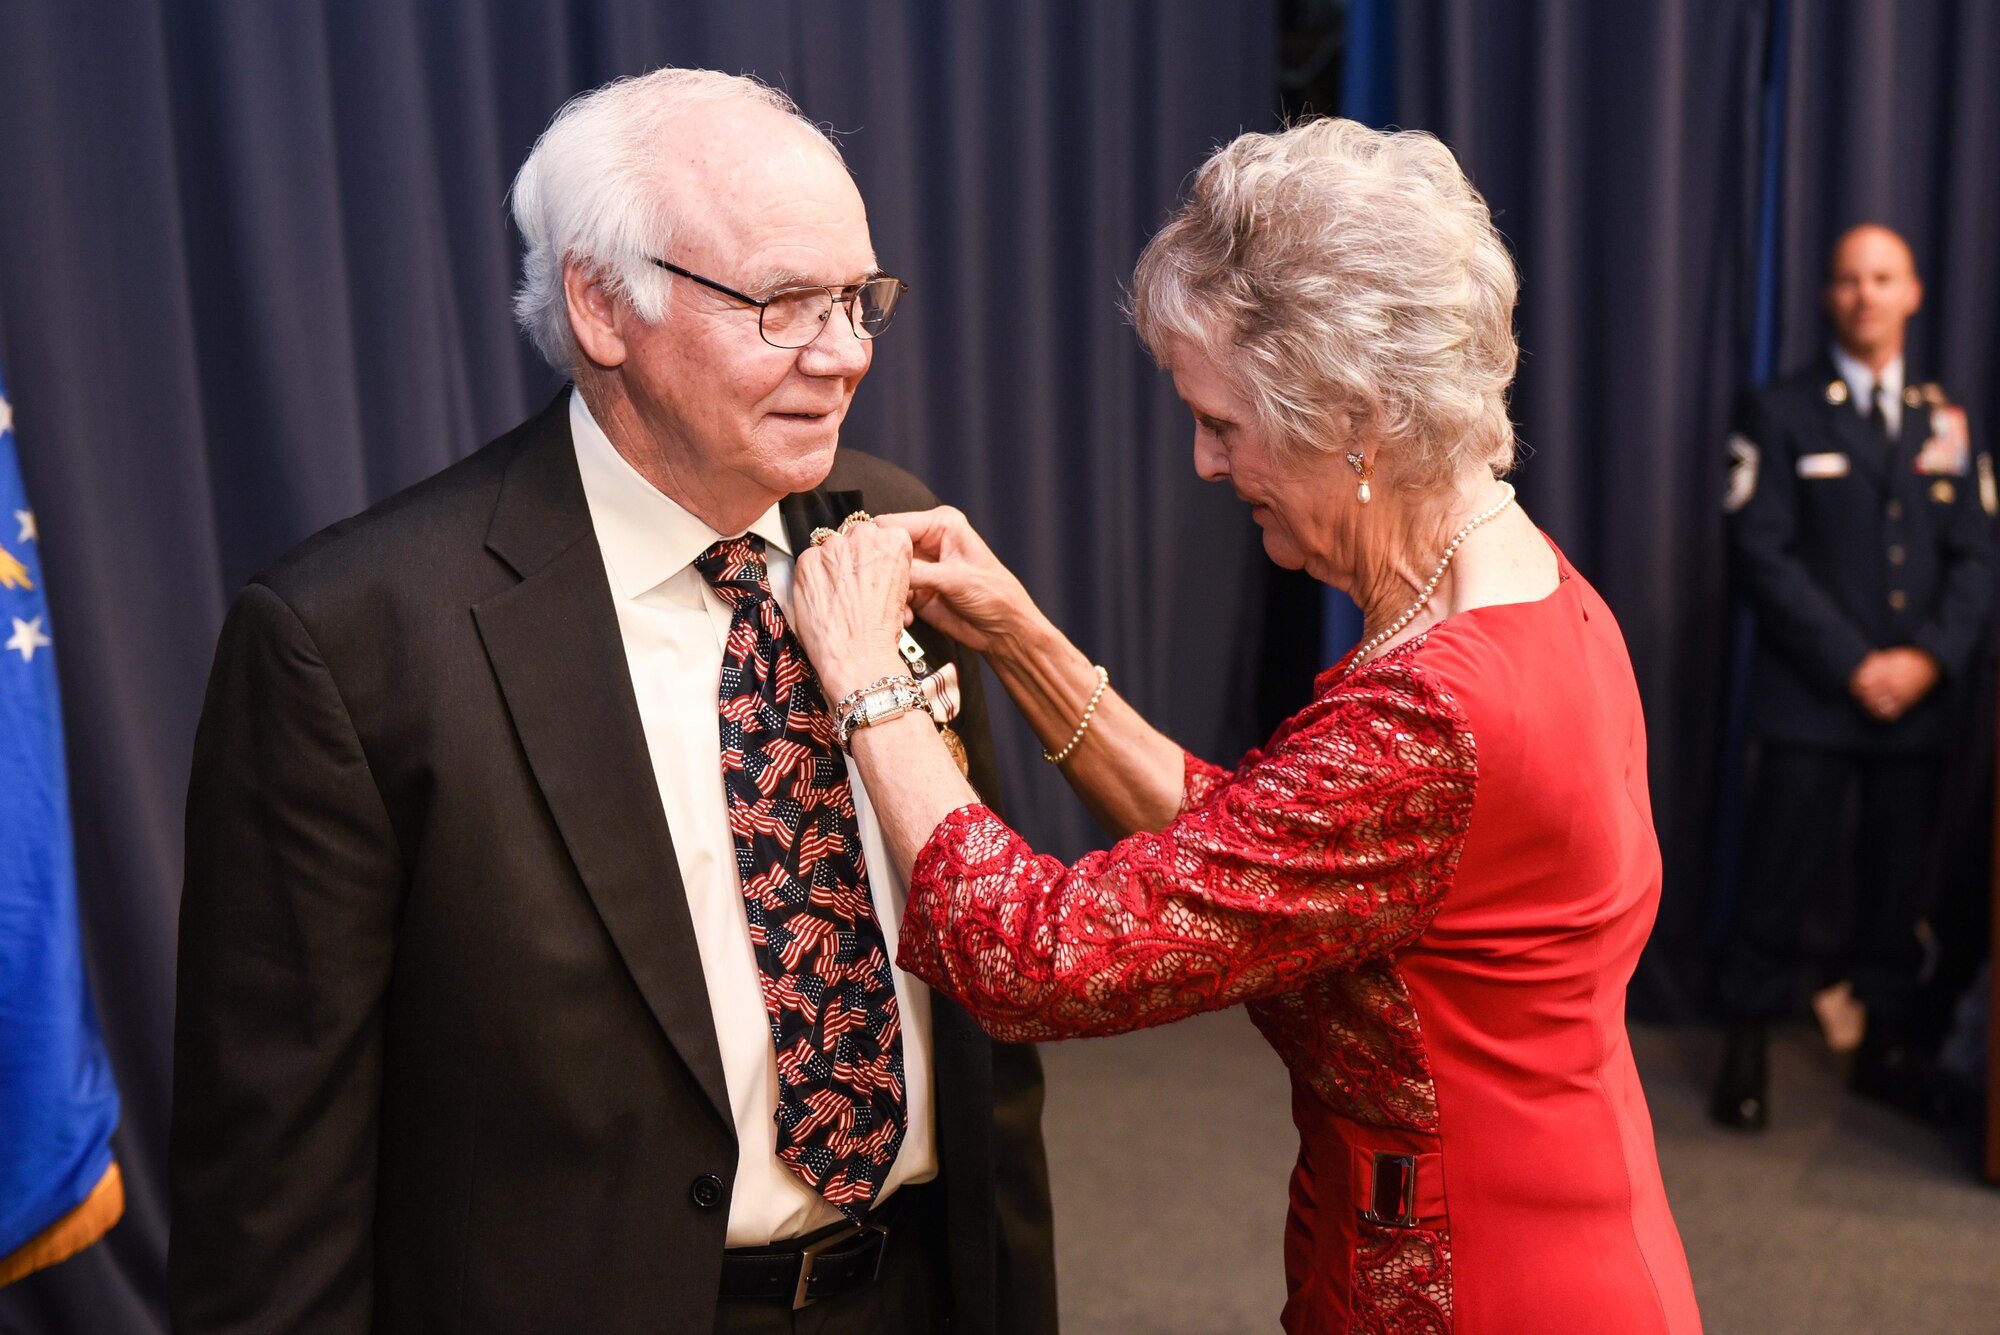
(596, 189)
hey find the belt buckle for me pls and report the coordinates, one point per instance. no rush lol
(810, 1254)
(1392, 1196)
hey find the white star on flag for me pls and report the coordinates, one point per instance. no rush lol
(28, 637)
(26, 518)
(6, 417)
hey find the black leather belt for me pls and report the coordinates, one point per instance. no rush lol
(828, 1264)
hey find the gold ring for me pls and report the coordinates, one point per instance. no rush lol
(858, 517)
(820, 535)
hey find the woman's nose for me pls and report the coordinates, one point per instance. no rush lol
(1211, 464)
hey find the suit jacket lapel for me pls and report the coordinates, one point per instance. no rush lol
(1868, 452)
(805, 511)
(819, 508)
(1916, 430)
(554, 644)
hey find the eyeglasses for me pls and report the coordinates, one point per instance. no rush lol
(792, 317)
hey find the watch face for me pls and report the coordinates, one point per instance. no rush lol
(881, 703)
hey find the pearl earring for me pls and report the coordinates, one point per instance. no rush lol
(1359, 462)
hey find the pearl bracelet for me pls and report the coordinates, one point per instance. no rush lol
(1083, 724)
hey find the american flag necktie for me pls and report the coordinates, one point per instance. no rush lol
(828, 989)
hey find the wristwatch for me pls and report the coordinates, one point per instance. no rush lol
(878, 702)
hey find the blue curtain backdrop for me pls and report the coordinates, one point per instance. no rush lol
(254, 274)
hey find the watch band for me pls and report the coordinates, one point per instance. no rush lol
(877, 702)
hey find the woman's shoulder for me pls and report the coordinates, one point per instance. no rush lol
(1399, 677)
(1493, 661)
(1394, 708)
(1534, 670)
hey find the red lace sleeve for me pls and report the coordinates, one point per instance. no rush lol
(1200, 781)
(1332, 845)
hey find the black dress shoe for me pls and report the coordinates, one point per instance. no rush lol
(1742, 1090)
(1883, 1065)
(1892, 1071)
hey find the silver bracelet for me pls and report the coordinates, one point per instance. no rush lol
(877, 702)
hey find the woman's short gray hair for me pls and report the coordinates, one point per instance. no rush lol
(1351, 283)
(595, 189)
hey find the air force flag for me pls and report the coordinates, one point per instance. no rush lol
(59, 1189)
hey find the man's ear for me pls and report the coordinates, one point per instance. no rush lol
(593, 315)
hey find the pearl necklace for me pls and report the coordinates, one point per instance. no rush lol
(1430, 586)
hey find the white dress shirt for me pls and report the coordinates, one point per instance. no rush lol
(1861, 382)
(674, 627)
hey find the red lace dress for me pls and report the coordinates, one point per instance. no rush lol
(1431, 887)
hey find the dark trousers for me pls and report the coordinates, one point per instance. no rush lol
(1798, 838)
(910, 1297)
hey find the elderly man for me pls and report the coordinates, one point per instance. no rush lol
(534, 952)
(1859, 526)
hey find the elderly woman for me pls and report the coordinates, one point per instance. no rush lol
(1432, 884)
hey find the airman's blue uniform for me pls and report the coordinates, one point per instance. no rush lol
(1848, 535)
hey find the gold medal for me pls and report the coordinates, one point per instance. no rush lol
(939, 691)
(957, 749)
(1943, 492)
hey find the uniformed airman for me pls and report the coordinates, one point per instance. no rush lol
(1859, 511)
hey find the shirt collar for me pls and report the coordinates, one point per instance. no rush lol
(645, 535)
(1862, 380)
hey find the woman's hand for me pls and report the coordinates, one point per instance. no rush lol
(850, 601)
(958, 585)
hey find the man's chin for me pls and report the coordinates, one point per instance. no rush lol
(809, 469)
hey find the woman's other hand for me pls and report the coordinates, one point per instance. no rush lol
(958, 585)
(850, 601)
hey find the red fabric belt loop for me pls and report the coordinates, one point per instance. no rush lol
(1378, 1175)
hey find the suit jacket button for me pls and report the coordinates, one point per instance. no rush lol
(1894, 510)
(1896, 553)
(707, 1191)
(1898, 599)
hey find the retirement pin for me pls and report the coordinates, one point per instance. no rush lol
(940, 692)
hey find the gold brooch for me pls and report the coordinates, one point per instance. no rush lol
(1943, 492)
(1836, 392)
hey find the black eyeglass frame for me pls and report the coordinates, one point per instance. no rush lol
(838, 296)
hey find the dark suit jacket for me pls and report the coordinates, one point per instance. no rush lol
(1853, 551)
(444, 1059)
